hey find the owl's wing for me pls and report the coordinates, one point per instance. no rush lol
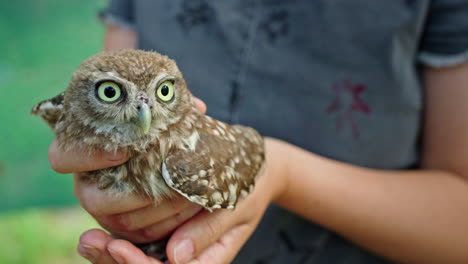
(49, 110)
(219, 169)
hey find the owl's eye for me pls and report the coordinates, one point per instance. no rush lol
(109, 92)
(166, 91)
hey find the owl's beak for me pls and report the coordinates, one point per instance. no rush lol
(144, 117)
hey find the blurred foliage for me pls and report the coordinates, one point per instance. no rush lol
(41, 43)
(43, 237)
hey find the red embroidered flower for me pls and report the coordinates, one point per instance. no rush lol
(348, 101)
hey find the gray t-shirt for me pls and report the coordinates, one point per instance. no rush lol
(339, 78)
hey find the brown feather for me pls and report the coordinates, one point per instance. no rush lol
(207, 161)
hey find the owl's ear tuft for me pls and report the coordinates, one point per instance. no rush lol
(49, 110)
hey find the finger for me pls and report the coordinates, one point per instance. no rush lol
(226, 248)
(151, 214)
(78, 160)
(102, 203)
(124, 252)
(186, 242)
(93, 246)
(162, 229)
(199, 105)
(156, 231)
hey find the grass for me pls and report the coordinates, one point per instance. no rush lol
(43, 236)
(41, 44)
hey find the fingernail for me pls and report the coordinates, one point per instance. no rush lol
(113, 156)
(88, 252)
(116, 257)
(183, 252)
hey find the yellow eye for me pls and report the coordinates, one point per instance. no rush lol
(166, 91)
(109, 92)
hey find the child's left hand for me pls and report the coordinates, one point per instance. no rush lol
(205, 238)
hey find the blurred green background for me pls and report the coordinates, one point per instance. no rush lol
(41, 43)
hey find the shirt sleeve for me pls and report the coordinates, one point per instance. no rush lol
(119, 12)
(445, 39)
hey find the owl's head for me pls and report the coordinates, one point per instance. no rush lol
(127, 95)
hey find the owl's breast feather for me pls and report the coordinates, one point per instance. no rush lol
(140, 174)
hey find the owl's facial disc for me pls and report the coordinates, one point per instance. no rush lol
(144, 112)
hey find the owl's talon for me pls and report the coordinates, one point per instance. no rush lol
(155, 249)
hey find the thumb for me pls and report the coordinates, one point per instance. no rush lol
(199, 105)
(199, 233)
(78, 160)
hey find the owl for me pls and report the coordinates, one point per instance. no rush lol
(138, 102)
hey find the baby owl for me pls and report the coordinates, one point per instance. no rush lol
(138, 102)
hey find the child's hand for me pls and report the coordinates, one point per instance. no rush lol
(205, 238)
(131, 217)
(100, 248)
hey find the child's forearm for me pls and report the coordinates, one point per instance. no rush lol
(409, 216)
(119, 38)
